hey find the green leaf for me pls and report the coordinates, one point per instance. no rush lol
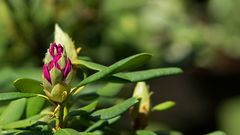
(86, 109)
(96, 125)
(110, 89)
(116, 110)
(216, 133)
(164, 106)
(66, 131)
(135, 76)
(61, 37)
(34, 106)
(148, 74)
(88, 133)
(32, 132)
(15, 95)
(69, 131)
(122, 65)
(145, 132)
(88, 64)
(28, 86)
(24, 123)
(102, 123)
(13, 112)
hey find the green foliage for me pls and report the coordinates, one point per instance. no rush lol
(13, 112)
(122, 65)
(67, 132)
(73, 106)
(86, 109)
(173, 31)
(216, 133)
(26, 85)
(23, 123)
(148, 74)
(164, 106)
(134, 76)
(34, 106)
(14, 95)
(115, 110)
(110, 89)
(145, 132)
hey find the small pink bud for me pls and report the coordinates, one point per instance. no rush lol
(58, 60)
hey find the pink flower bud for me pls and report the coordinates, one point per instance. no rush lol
(58, 61)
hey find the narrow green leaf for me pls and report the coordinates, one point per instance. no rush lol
(110, 89)
(164, 106)
(13, 112)
(102, 123)
(148, 74)
(34, 106)
(88, 133)
(216, 133)
(135, 76)
(145, 132)
(67, 131)
(28, 86)
(24, 132)
(15, 95)
(96, 125)
(116, 110)
(86, 109)
(23, 123)
(88, 64)
(61, 37)
(122, 65)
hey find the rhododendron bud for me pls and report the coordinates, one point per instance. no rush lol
(140, 112)
(57, 70)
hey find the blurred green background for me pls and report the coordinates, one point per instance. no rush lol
(201, 36)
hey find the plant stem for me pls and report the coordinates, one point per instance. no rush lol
(59, 117)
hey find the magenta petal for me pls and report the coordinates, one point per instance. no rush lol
(52, 49)
(51, 65)
(57, 66)
(67, 68)
(56, 58)
(46, 73)
(60, 49)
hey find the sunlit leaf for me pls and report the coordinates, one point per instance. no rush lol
(122, 65)
(116, 110)
(110, 89)
(134, 76)
(13, 112)
(15, 95)
(102, 123)
(145, 132)
(148, 74)
(28, 86)
(66, 131)
(23, 123)
(34, 106)
(217, 133)
(86, 109)
(164, 106)
(88, 64)
(69, 131)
